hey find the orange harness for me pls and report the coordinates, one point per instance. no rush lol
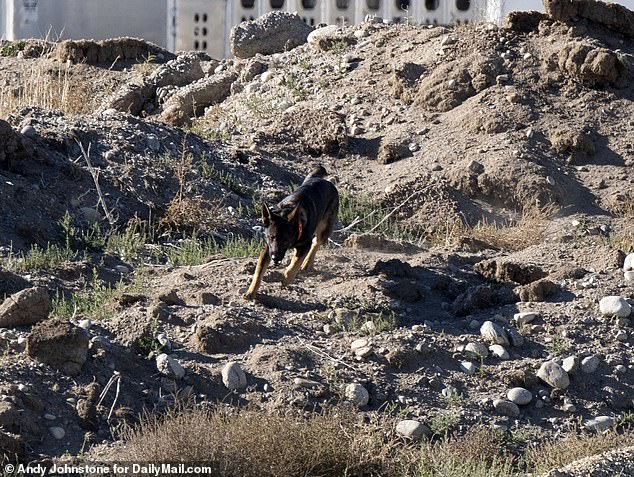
(300, 230)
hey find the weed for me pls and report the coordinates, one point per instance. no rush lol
(444, 422)
(8, 49)
(128, 244)
(558, 345)
(338, 47)
(227, 179)
(39, 259)
(96, 303)
(361, 214)
(453, 398)
(195, 251)
(260, 107)
(292, 82)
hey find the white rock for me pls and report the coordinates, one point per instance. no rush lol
(359, 343)
(629, 276)
(494, 334)
(519, 396)
(615, 306)
(266, 76)
(324, 32)
(506, 408)
(499, 351)
(468, 367)
(29, 131)
(571, 364)
(524, 317)
(169, 367)
(590, 364)
(57, 432)
(363, 352)
(357, 394)
(233, 377)
(476, 350)
(412, 429)
(628, 264)
(599, 423)
(553, 375)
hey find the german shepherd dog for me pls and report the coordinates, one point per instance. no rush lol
(303, 221)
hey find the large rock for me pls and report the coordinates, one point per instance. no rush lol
(553, 375)
(132, 96)
(271, 33)
(26, 307)
(615, 306)
(108, 51)
(412, 429)
(195, 97)
(520, 396)
(494, 334)
(357, 394)
(612, 16)
(169, 367)
(591, 65)
(233, 377)
(60, 344)
(506, 408)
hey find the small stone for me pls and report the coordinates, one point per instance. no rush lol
(628, 263)
(307, 383)
(615, 306)
(413, 147)
(57, 432)
(29, 131)
(621, 335)
(506, 408)
(501, 78)
(499, 351)
(524, 318)
(571, 364)
(468, 367)
(412, 429)
(233, 377)
(494, 334)
(476, 350)
(169, 367)
(49, 417)
(590, 364)
(363, 352)
(599, 423)
(553, 375)
(520, 396)
(569, 407)
(539, 404)
(359, 343)
(85, 324)
(266, 76)
(620, 369)
(357, 394)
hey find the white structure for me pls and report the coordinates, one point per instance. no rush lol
(205, 24)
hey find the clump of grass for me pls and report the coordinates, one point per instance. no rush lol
(558, 345)
(514, 235)
(253, 443)
(195, 251)
(39, 259)
(444, 422)
(98, 302)
(363, 214)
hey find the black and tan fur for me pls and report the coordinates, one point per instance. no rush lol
(302, 221)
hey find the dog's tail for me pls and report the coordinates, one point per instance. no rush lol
(319, 172)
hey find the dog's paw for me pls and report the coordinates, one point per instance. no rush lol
(286, 281)
(250, 295)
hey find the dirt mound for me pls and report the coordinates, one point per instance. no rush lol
(110, 51)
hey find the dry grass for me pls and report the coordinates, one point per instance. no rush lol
(251, 442)
(564, 451)
(43, 86)
(514, 235)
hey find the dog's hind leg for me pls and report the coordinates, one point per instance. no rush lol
(263, 263)
(293, 269)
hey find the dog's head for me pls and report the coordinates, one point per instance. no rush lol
(281, 231)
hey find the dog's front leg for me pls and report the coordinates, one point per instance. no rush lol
(296, 262)
(263, 263)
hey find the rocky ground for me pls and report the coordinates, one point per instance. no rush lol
(479, 274)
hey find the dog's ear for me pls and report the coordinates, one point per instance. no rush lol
(266, 215)
(294, 214)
